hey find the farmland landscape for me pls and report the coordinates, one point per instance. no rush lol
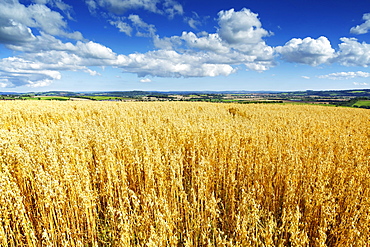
(184, 123)
(348, 98)
(88, 173)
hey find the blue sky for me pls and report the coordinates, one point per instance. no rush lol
(168, 45)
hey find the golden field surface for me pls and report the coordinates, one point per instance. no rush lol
(183, 174)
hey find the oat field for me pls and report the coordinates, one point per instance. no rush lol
(183, 174)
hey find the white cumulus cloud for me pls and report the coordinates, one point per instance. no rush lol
(44, 58)
(123, 27)
(353, 53)
(307, 51)
(240, 27)
(94, 50)
(364, 27)
(210, 42)
(20, 72)
(12, 32)
(166, 63)
(16, 20)
(65, 8)
(237, 41)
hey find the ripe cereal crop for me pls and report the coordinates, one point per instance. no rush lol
(183, 174)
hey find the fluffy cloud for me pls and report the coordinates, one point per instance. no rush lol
(50, 21)
(42, 42)
(19, 72)
(12, 32)
(46, 56)
(345, 75)
(145, 80)
(209, 42)
(123, 27)
(364, 27)
(237, 41)
(94, 50)
(318, 51)
(307, 51)
(45, 44)
(67, 9)
(143, 29)
(16, 20)
(166, 63)
(353, 53)
(193, 23)
(41, 69)
(240, 27)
